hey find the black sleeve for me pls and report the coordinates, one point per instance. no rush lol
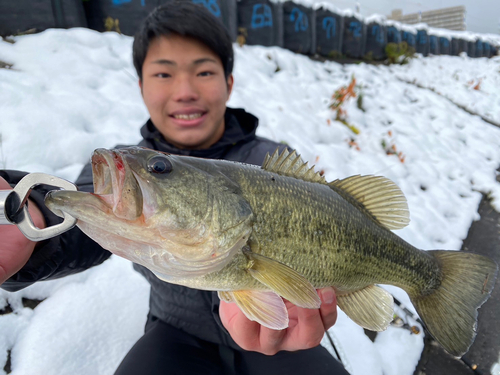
(63, 255)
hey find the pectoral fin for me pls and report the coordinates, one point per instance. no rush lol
(263, 307)
(283, 280)
(371, 308)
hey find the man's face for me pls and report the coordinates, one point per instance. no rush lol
(185, 90)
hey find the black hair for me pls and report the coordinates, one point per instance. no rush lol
(186, 19)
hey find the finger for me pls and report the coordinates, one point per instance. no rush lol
(311, 329)
(15, 250)
(242, 330)
(4, 185)
(328, 309)
(34, 211)
(271, 340)
(36, 215)
(307, 332)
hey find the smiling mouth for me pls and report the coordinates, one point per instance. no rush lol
(191, 116)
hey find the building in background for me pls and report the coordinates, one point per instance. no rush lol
(447, 18)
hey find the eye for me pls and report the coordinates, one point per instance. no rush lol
(159, 165)
(205, 74)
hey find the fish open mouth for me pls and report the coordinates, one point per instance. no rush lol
(107, 177)
(116, 185)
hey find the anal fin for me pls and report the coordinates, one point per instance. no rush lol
(263, 307)
(225, 296)
(371, 307)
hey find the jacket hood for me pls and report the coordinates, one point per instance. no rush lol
(240, 126)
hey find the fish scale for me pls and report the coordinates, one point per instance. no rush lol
(347, 237)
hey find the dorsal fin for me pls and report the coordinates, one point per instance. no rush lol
(379, 196)
(291, 165)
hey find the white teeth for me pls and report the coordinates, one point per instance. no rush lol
(191, 116)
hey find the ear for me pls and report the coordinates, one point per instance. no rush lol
(230, 82)
(140, 86)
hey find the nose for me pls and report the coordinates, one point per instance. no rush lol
(185, 89)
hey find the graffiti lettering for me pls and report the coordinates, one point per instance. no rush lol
(355, 28)
(262, 16)
(121, 2)
(300, 19)
(433, 41)
(409, 38)
(329, 24)
(393, 35)
(422, 37)
(379, 35)
(211, 5)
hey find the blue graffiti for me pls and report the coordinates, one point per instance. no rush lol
(121, 2)
(355, 28)
(445, 42)
(422, 37)
(409, 38)
(433, 41)
(379, 35)
(300, 19)
(393, 35)
(262, 16)
(211, 5)
(330, 25)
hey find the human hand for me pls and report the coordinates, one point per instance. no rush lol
(15, 249)
(305, 329)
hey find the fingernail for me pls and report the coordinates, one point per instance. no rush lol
(328, 295)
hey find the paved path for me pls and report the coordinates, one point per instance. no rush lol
(483, 238)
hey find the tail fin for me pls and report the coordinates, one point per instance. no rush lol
(450, 312)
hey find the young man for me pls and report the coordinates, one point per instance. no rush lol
(184, 60)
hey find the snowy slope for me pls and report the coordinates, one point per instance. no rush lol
(71, 91)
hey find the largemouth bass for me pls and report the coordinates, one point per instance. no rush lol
(256, 235)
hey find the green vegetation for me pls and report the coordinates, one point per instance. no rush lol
(399, 53)
(335, 55)
(112, 24)
(242, 36)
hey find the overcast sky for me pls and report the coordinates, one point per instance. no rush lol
(482, 15)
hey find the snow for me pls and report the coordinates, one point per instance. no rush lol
(409, 28)
(71, 91)
(376, 18)
(439, 32)
(326, 5)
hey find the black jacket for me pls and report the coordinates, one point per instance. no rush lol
(191, 310)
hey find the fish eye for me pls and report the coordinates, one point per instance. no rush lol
(159, 165)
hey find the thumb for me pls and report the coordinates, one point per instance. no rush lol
(4, 185)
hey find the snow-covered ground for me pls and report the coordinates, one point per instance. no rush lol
(71, 91)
